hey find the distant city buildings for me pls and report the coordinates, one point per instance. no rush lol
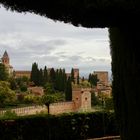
(81, 97)
(20, 73)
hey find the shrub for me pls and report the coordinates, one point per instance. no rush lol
(8, 115)
(72, 126)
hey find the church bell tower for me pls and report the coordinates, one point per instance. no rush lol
(5, 59)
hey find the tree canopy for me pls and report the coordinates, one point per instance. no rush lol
(3, 72)
(68, 91)
(86, 13)
(93, 79)
(7, 96)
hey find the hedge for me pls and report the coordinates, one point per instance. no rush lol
(73, 126)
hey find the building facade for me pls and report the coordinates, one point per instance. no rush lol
(19, 74)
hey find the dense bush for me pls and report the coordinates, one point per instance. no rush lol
(8, 115)
(72, 126)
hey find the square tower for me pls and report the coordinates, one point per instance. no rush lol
(81, 98)
(102, 76)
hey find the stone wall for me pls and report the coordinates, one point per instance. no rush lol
(19, 74)
(62, 107)
(30, 110)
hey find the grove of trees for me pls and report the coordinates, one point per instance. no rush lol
(92, 79)
(55, 80)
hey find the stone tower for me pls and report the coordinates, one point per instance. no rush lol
(102, 76)
(5, 59)
(82, 99)
(76, 73)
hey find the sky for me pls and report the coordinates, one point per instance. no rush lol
(30, 38)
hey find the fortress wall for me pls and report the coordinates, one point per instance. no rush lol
(62, 107)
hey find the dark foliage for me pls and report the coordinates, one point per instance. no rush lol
(126, 78)
(45, 78)
(62, 127)
(72, 76)
(93, 79)
(52, 75)
(35, 74)
(87, 13)
(68, 91)
(60, 82)
(3, 73)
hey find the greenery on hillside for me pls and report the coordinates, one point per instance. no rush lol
(54, 82)
(7, 96)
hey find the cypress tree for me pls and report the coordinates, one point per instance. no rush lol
(64, 77)
(41, 78)
(45, 75)
(61, 80)
(68, 92)
(52, 75)
(125, 54)
(78, 79)
(89, 78)
(35, 74)
(72, 76)
(57, 79)
(93, 79)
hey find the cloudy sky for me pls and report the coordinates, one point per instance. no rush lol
(31, 38)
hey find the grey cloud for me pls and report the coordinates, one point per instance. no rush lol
(63, 56)
(36, 25)
(60, 53)
(30, 38)
(33, 46)
(57, 42)
(74, 58)
(102, 59)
